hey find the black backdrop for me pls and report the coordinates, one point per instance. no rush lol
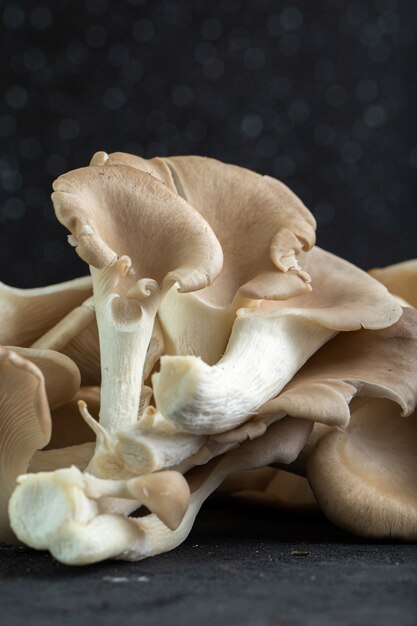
(321, 94)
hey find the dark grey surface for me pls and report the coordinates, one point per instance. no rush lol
(237, 567)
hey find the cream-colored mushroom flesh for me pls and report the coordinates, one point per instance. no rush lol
(65, 511)
(27, 314)
(364, 477)
(25, 424)
(268, 345)
(367, 363)
(139, 238)
(400, 279)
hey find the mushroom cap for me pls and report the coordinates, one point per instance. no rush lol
(27, 314)
(343, 297)
(364, 477)
(25, 424)
(62, 376)
(369, 363)
(400, 279)
(262, 225)
(119, 210)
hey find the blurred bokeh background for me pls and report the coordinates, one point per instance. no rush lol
(321, 95)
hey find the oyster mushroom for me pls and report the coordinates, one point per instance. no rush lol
(268, 345)
(27, 314)
(272, 488)
(121, 219)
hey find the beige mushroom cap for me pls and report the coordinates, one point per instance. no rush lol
(62, 376)
(365, 477)
(262, 225)
(25, 424)
(400, 279)
(118, 210)
(27, 314)
(367, 363)
(343, 297)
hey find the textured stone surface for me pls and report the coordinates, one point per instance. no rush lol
(236, 568)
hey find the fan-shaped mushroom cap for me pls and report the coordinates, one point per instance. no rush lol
(268, 344)
(400, 279)
(364, 477)
(262, 227)
(365, 363)
(25, 424)
(26, 314)
(62, 376)
(118, 210)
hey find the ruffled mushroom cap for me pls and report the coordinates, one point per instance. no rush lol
(27, 314)
(62, 376)
(25, 424)
(364, 477)
(114, 211)
(262, 227)
(268, 344)
(400, 279)
(364, 363)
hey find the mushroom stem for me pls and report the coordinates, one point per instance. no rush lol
(67, 511)
(263, 354)
(126, 313)
(69, 327)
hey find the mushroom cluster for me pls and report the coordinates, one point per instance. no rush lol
(213, 345)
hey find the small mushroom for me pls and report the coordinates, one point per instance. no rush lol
(27, 314)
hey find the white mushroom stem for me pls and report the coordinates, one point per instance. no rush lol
(263, 354)
(148, 446)
(125, 312)
(66, 511)
(69, 327)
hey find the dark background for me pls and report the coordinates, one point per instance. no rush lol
(319, 94)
